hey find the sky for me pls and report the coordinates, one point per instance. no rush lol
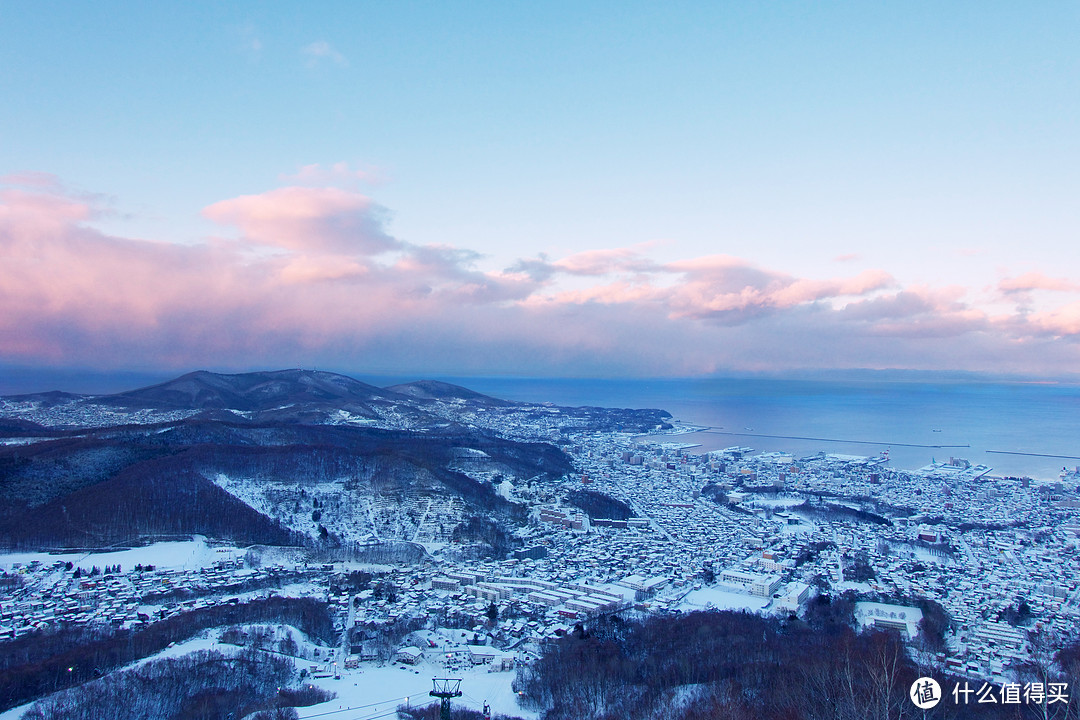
(578, 189)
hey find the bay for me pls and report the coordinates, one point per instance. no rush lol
(1012, 427)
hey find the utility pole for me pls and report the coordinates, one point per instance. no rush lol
(444, 689)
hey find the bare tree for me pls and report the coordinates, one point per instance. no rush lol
(883, 665)
(1040, 671)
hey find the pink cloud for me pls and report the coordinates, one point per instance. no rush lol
(449, 274)
(616, 293)
(594, 263)
(338, 173)
(730, 290)
(1036, 281)
(67, 290)
(27, 215)
(306, 269)
(708, 264)
(918, 312)
(803, 290)
(1060, 322)
(337, 288)
(604, 262)
(301, 218)
(716, 288)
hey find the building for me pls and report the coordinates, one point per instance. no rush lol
(752, 583)
(882, 616)
(410, 655)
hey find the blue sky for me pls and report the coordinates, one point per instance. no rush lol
(894, 184)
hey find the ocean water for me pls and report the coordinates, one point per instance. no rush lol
(1011, 426)
(1017, 428)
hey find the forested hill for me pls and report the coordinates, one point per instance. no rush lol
(286, 457)
(110, 485)
(309, 397)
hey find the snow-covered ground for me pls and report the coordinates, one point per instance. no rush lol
(183, 555)
(350, 509)
(867, 613)
(805, 526)
(859, 587)
(778, 501)
(926, 555)
(722, 600)
(374, 689)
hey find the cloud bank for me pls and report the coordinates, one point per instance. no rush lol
(310, 275)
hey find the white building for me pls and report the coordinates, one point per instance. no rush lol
(882, 616)
(752, 583)
(410, 655)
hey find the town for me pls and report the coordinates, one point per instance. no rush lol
(643, 525)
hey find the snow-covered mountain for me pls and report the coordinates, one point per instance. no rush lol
(283, 457)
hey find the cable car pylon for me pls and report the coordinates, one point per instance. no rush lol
(444, 689)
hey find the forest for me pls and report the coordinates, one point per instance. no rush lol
(197, 686)
(600, 505)
(707, 665)
(43, 662)
(117, 484)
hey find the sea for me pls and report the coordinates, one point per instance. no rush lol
(1017, 428)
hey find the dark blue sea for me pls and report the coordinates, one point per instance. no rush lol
(987, 423)
(1017, 428)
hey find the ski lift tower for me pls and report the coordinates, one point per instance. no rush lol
(445, 688)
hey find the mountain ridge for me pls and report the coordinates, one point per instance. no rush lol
(252, 391)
